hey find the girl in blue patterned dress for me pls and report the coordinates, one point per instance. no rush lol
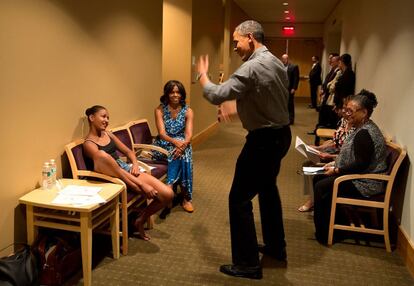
(174, 120)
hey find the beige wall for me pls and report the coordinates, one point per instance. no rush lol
(58, 58)
(237, 15)
(207, 36)
(380, 38)
(176, 45)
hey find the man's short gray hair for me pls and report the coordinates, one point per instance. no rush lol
(252, 27)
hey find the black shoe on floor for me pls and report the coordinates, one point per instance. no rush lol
(178, 199)
(311, 133)
(166, 211)
(280, 255)
(252, 272)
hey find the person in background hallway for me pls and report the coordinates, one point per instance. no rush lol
(259, 86)
(315, 81)
(345, 85)
(329, 76)
(174, 120)
(293, 78)
(102, 146)
(328, 117)
(363, 152)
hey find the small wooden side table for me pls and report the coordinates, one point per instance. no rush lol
(83, 219)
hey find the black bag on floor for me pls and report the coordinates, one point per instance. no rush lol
(19, 269)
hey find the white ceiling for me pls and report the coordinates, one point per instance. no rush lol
(300, 11)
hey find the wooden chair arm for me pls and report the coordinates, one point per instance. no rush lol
(93, 174)
(150, 147)
(354, 177)
(381, 177)
(146, 167)
(325, 132)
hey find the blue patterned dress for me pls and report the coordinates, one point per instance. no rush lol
(180, 169)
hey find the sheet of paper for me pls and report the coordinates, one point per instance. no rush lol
(78, 200)
(311, 150)
(80, 190)
(79, 196)
(299, 146)
(312, 169)
(307, 151)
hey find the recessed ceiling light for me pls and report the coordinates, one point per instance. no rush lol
(287, 18)
(286, 11)
(285, 3)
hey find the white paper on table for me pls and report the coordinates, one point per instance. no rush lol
(78, 200)
(75, 190)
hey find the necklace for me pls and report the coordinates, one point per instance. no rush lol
(174, 111)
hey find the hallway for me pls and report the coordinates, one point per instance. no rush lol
(187, 249)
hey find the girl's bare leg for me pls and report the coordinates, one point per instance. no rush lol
(164, 198)
(105, 164)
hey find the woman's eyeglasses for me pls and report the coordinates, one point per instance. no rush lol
(350, 111)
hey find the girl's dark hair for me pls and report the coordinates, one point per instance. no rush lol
(168, 87)
(366, 99)
(92, 110)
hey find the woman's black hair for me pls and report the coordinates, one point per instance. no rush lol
(92, 110)
(168, 87)
(366, 99)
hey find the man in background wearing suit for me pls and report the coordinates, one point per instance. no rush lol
(315, 81)
(293, 77)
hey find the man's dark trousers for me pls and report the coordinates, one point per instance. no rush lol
(256, 171)
(314, 94)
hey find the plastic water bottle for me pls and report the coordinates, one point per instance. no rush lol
(53, 172)
(46, 176)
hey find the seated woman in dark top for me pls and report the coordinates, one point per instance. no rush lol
(364, 151)
(101, 146)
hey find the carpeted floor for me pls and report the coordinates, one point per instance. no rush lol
(187, 249)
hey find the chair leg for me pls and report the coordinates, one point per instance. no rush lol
(124, 214)
(331, 223)
(150, 220)
(125, 231)
(386, 232)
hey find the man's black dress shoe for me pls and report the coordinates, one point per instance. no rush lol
(252, 272)
(166, 211)
(280, 255)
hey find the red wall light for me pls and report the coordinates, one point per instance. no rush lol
(288, 30)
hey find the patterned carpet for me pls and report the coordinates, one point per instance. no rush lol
(187, 249)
